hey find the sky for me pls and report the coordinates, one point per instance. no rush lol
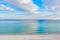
(30, 8)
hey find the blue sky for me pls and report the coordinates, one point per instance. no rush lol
(38, 3)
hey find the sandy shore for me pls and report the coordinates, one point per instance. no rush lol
(31, 37)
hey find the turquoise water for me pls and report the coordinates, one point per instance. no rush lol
(12, 27)
(23, 26)
(49, 26)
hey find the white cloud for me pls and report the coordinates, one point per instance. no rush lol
(52, 5)
(3, 7)
(18, 16)
(30, 7)
(26, 5)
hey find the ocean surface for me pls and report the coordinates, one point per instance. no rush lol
(17, 26)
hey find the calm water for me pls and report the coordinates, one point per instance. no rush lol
(29, 26)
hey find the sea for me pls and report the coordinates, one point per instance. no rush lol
(25, 26)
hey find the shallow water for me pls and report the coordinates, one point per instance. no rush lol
(29, 26)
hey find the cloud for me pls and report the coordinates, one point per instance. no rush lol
(30, 7)
(26, 5)
(3, 7)
(17, 15)
(52, 5)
